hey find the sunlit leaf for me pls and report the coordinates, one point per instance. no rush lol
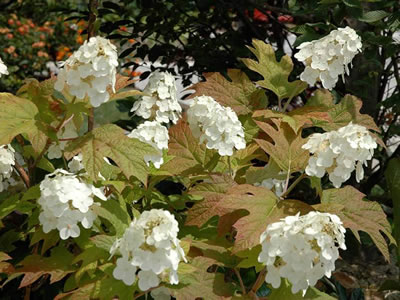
(358, 215)
(275, 73)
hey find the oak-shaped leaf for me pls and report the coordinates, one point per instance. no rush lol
(189, 156)
(19, 116)
(260, 206)
(212, 190)
(358, 215)
(258, 174)
(5, 267)
(275, 73)
(58, 265)
(241, 94)
(297, 118)
(284, 145)
(199, 283)
(341, 114)
(110, 141)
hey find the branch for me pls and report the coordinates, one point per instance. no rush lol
(22, 173)
(258, 283)
(240, 281)
(300, 178)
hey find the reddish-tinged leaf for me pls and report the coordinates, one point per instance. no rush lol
(190, 157)
(58, 265)
(111, 141)
(122, 82)
(275, 73)
(4, 256)
(262, 205)
(341, 114)
(212, 190)
(285, 148)
(297, 118)
(358, 215)
(5, 267)
(240, 93)
(202, 284)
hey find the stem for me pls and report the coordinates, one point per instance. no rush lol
(145, 292)
(67, 139)
(230, 167)
(24, 176)
(240, 281)
(300, 178)
(93, 4)
(259, 282)
(287, 104)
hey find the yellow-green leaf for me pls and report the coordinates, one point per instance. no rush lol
(111, 141)
(275, 73)
(202, 284)
(17, 116)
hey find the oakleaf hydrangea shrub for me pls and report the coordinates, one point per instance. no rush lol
(166, 208)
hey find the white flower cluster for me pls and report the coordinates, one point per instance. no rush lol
(150, 244)
(327, 58)
(340, 152)
(90, 71)
(273, 184)
(66, 201)
(154, 134)
(302, 249)
(7, 161)
(217, 125)
(160, 102)
(3, 68)
(67, 132)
